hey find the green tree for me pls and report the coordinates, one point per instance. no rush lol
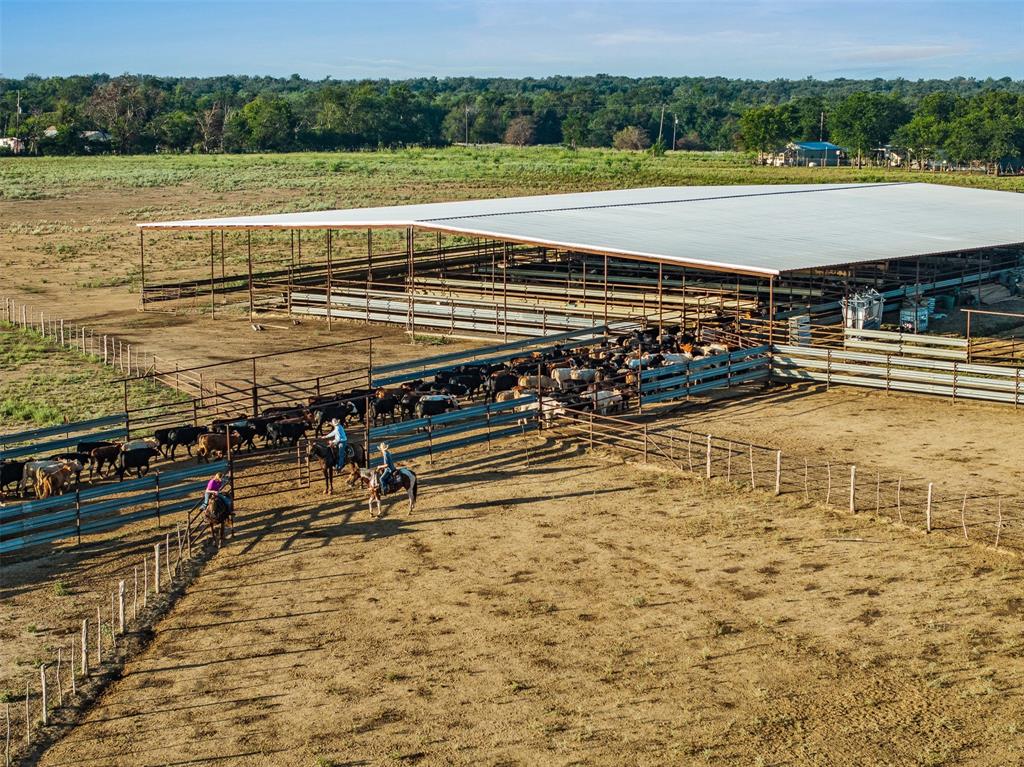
(175, 130)
(631, 137)
(866, 121)
(270, 123)
(762, 129)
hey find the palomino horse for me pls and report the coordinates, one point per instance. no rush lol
(217, 517)
(370, 479)
(327, 454)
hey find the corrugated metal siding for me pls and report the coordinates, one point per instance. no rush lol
(754, 229)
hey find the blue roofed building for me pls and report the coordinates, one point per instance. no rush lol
(815, 153)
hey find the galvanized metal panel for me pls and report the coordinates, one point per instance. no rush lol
(760, 230)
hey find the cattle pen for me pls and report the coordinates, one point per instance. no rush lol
(532, 266)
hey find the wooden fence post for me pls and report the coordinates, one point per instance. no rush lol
(135, 592)
(645, 443)
(928, 510)
(99, 638)
(999, 519)
(145, 581)
(853, 489)
(828, 489)
(751, 451)
(963, 520)
(74, 691)
(60, 685)
(156, 568)
(707, 460)
(167, 558)
(899, 499)
(42, 682)
(85, 647)
(120, 607)
(778, 472)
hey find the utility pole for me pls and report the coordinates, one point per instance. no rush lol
(467, 124)
(661, 123)
(821, 127)
(675, 125)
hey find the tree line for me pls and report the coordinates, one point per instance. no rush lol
(963, 118)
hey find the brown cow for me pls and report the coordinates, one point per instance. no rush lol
(103, 456)
(53, 480)
(212, 442)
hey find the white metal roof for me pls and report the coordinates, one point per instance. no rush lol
(761, 230)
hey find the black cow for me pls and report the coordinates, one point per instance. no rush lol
(407, 405)
(184, 436)
(137, 459)
(11, 471)
(245, 428)
(499, 382)
(162, 438)
(431, 406)
(291, 429)
(343, 410)
(383, 406)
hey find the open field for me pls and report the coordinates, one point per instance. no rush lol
(576, 610)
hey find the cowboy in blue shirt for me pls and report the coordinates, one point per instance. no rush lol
(338, 438)
(389, 467)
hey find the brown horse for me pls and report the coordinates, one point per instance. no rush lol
(217, 517)
(327, 454)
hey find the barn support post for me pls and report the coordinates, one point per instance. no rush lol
(410, 278)
(661, 308)
(369, 270)
(142, 269)
(606, 290)
(248, 258)
(330, 277)
(213, 284)
(504, 295)
(771, 326)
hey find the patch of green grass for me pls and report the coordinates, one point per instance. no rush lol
(61, 589)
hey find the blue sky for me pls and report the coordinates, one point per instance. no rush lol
(381, 38)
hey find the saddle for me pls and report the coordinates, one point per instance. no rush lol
(392, 484)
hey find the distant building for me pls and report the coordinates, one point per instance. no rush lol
(12, 144)
(95, 136)
(815, 153)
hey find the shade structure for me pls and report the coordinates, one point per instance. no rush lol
(755, 230)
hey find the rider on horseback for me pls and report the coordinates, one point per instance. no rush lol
(389, 467)
(213, 490)
(339, 439)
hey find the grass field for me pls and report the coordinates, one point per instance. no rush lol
(43, 384)
(329, 179)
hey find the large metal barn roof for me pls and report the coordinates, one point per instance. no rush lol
(757, 230)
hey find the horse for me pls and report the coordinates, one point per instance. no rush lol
(217, 517)
(370, 479)
(327, 454)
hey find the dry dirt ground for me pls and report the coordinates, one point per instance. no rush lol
(574, 610)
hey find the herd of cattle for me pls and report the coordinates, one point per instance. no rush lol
(600, 378)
